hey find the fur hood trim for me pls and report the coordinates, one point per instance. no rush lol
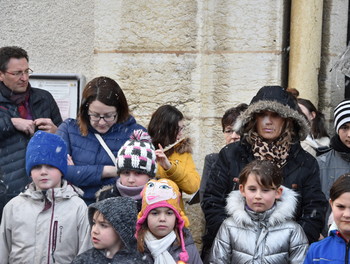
(184, 146)
(284, 210)
(300, 123)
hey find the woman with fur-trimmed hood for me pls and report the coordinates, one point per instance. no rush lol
(271, 129)
(173, 149)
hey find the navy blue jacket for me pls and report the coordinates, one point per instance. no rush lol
(89, 156)
(13, 143)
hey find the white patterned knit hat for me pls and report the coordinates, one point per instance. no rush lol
(138, 154)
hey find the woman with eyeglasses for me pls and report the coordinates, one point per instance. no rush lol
(103, 125)
(173, 149)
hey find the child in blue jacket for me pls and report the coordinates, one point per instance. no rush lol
(335, 248)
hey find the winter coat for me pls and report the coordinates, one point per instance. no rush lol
(268, 237)
(31, 234)
(13, 143)
(97, 256)
(90, 157)
(300, 172)
(183, 170)
(315, 146)
(175, 250)
(209, 162)
(112, 191)
(332, 165)
(332, 249)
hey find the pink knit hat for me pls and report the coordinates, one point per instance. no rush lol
(163, 193)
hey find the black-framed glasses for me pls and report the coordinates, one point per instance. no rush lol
(106, 118)
(19, 74)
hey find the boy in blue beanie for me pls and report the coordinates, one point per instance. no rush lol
(47, 223)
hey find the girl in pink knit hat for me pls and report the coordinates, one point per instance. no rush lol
(161, 227)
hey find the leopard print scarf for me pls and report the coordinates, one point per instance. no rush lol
(276, 151)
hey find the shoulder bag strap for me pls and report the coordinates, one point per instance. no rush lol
(104, 145)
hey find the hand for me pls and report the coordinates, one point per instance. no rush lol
(109, 171)
(45, 124)
(162, 159)
(69, 160)
(24, 125)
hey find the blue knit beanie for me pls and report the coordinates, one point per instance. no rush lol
(46, 148)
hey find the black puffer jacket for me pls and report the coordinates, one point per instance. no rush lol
(13, 143)
(301, 171)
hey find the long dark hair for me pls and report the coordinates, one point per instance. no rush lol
(318, 128)
(108, 92)
(164, 125)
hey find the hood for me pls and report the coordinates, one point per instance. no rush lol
(274, 99)
(284, 209)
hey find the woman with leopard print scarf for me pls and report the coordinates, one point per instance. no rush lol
(270, 129)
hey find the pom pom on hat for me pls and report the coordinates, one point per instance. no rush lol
(46, 148)
(341, 114)
(138, 154)
(163, 193)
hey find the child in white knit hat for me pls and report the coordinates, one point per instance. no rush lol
(136, 163)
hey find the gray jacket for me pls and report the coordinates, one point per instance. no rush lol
(332, 165)
(269, 237)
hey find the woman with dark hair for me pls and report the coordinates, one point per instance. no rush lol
(318, 139)
(93, 140)
(271, 129)
(173, 149)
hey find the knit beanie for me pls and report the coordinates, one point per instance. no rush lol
(341, 114)
(121, 213)
(163, 193)
(275, 99)
(46, 148)
(138, 154)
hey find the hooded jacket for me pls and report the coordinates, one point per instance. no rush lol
(268, 237)
(32, 234)
(13, 143)
(301, 171)
(90, 157)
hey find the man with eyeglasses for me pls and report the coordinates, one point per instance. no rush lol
(23, 110)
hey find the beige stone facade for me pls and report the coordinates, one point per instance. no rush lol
(200, 56)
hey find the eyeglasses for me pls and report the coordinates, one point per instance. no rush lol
(106, 118)
(19, 74)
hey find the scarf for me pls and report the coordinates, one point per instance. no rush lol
(159, 247)
(21, 100)
(339, 146)
(132, 192)
(276, 151)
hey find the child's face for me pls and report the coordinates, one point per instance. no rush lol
(344, 134)
(133, 178)
(259, 198)
(46, 177)
(161, 221)
(104, 236)
(341, 214)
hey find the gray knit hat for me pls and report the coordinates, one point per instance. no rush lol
(138, 154)
(121, 213)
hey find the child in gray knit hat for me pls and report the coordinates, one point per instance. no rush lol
(136, 165)
(113, 223)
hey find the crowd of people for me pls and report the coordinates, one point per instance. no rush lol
(101, 188)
